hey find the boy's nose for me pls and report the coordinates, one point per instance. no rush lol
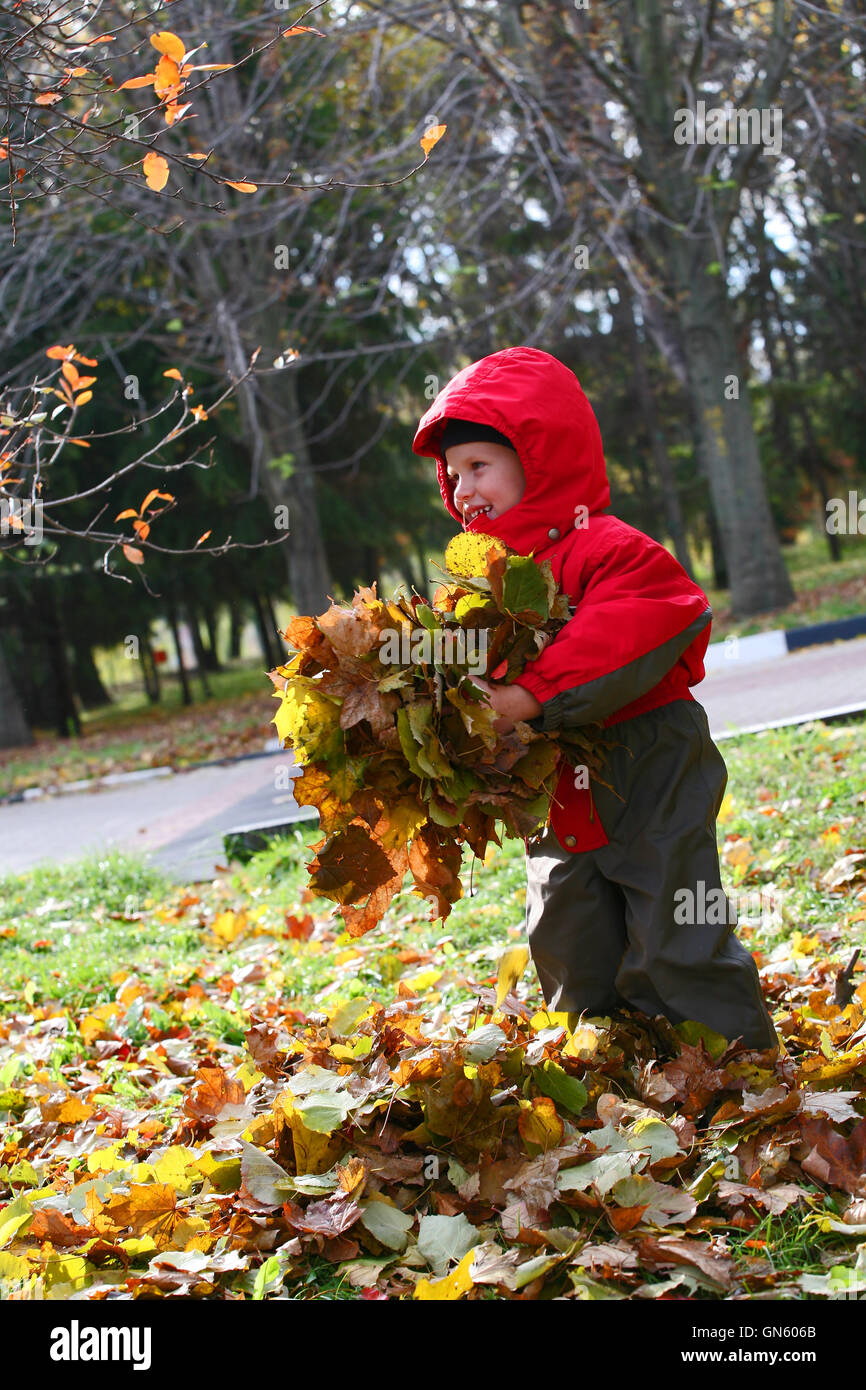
(462, 491)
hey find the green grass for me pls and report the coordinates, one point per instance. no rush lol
(69, 935)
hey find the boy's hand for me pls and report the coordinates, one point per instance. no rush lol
(512, 702)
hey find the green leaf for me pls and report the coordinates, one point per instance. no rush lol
(524, 589)
(388, 1224)
(564, 1089)
(264, 1178)
(427, 618)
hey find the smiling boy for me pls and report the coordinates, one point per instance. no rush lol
(519, 456)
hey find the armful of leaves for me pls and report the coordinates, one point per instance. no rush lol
(399, 753)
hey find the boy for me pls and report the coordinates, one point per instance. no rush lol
(605, 882)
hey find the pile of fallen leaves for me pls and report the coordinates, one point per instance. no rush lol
(487, 1150)
(398, 747)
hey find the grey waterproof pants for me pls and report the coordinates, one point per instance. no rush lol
(602, 924)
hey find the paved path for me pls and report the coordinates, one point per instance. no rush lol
(179, 821)
(807, 682)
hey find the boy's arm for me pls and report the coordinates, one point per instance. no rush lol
(638, 613)
(596, 699)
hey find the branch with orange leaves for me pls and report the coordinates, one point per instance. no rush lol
(30, 446)
(36, 152)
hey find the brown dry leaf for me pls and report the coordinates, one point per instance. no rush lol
(213, 1091)
(834, 1159)
(148, 1209)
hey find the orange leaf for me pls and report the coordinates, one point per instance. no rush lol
(431, 137)
(155, 171)
(199, 412)
(48, 98)
(207, 67)
(167, 77)
(59, 352)
(83, 442)
(130, 511)
(146, 81)
(70, 372)
(168, 43)
(151, 496)
(77, 72)
(141, 529)
(85, 381)
(195, 156)
(173, 113)
(174, 373)
(203, 538)
(103, 38)
(84, 397)
(242, 187)
(133, 555)
(86, 361)
(302, 29)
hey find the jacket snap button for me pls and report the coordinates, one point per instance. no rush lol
(570, 841)
(553, 533)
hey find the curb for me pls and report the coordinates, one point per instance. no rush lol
(765, 646)
(144, 774)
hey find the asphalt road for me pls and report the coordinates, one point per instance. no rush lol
(179, 821)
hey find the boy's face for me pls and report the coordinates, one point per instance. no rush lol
(487, 477)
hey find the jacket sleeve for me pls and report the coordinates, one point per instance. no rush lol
(638, 614)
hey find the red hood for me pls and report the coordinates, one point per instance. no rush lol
(536, 401)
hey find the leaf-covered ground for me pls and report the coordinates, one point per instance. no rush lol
(210, 1093)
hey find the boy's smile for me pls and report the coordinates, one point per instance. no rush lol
(488, 478)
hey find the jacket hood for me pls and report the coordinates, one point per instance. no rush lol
(537, 402)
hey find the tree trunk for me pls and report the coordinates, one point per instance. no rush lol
(86, 679)
(264, 633)
(661, 458)
(67, 722)
(14, 729)
(198, 647)
(236, 627)
(150, 670)
(212, 649)
(183, 676)
(759, 579)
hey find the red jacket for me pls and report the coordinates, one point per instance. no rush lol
(641, 626)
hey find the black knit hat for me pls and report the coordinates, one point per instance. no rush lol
(468, 432)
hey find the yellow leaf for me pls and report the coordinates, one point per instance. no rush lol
(314, 1152)
(84, 397)
(155, 171)
(511, 967)
(431, 137)
(174, 1167)
(726, 810)
(454, 1285)
(466, 554)
(168, 43)
(242, 187)
(229, 925)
